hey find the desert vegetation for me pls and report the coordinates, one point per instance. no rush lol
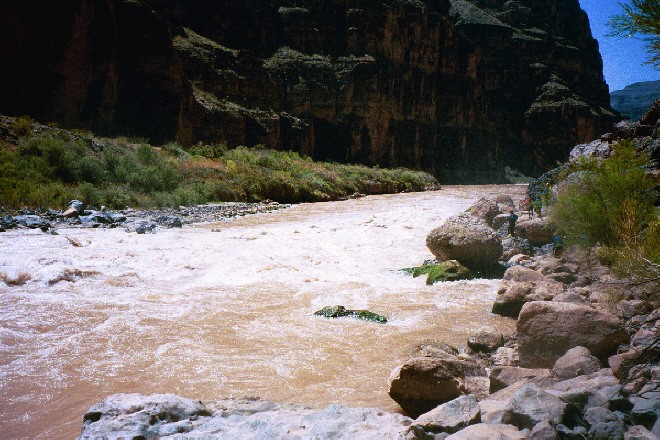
(48, 170)
(610, 203)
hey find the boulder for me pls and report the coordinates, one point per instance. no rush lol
(521, 285)
(502, 377)
(451, 416)
(167, 416)
(486, 210)
(505, 356)
(467, 239)
(538, 231)
(543, 431)
(422, 383)
(604, 424)
(546, 330)
(492, 410)
(639, 432)
(482, 431)
(485, 340)
(512, 246)
(645, 411)
(576, 362)
(531, 405)
(135, 415)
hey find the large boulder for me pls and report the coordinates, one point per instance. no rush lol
(538, 231)
(486, 210)
(521, 285)
(532, 405)
(467, 239)
(576, 362)
(451, 416)
(424, 382)
(167, 416)
(546, 330)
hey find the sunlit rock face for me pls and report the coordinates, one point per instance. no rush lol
(459, 88)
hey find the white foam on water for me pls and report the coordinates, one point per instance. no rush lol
(217, 314)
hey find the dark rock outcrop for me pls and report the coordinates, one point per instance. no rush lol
(459, 88)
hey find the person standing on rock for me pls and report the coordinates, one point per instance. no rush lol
(512, 223)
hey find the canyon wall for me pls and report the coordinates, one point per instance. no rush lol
(455, 87)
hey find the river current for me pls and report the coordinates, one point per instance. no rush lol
(226, 310)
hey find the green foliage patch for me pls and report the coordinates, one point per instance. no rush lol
(450, 270)
(49, 170)
(611, 203)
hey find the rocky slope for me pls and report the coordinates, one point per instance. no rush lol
(459, 88)
(635, 99)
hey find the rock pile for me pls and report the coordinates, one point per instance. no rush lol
(139, 221)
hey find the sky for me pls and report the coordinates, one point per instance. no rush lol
(622, 58)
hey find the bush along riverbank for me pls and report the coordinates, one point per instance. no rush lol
(42, 166)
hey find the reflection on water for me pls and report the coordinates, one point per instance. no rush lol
(226, 310)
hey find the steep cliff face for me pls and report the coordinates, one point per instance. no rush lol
(460, 88)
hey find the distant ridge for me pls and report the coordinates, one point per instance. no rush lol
(635, 99)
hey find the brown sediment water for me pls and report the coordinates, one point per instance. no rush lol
(226, 310)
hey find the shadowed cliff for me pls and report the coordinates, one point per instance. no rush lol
(458, 88)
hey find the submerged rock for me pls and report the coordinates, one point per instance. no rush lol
(340, 311)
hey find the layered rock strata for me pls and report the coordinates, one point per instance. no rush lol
(459, 88)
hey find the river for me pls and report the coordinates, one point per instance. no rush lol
(226, 310)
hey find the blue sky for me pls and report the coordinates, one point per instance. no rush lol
(622, 58)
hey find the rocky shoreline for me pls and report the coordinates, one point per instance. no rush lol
(133, 220)
(583, 363)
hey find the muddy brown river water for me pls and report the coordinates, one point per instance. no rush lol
(226, 310)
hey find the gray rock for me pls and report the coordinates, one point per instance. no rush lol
(576, 362)
(451, 416)
(505, 356)
(645, 411)
(492, 410)
(599, 414)
(521, 285)
(531, 405)
(486, 340)
(613, 430)
(483, 431)
(543, 431)
(504, 376)
(566, 433)
(423, 383)
(546, 330)
(137, 416)
(537, 230)
(583, 398)
(639, 432)
(467, 239)
(512, 246)
(486, 210)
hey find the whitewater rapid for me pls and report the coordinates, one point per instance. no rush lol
(224, 310)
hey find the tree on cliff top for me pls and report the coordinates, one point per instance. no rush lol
(641, 18)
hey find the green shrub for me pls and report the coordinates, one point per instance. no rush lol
(22, 126)
(593, 202)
